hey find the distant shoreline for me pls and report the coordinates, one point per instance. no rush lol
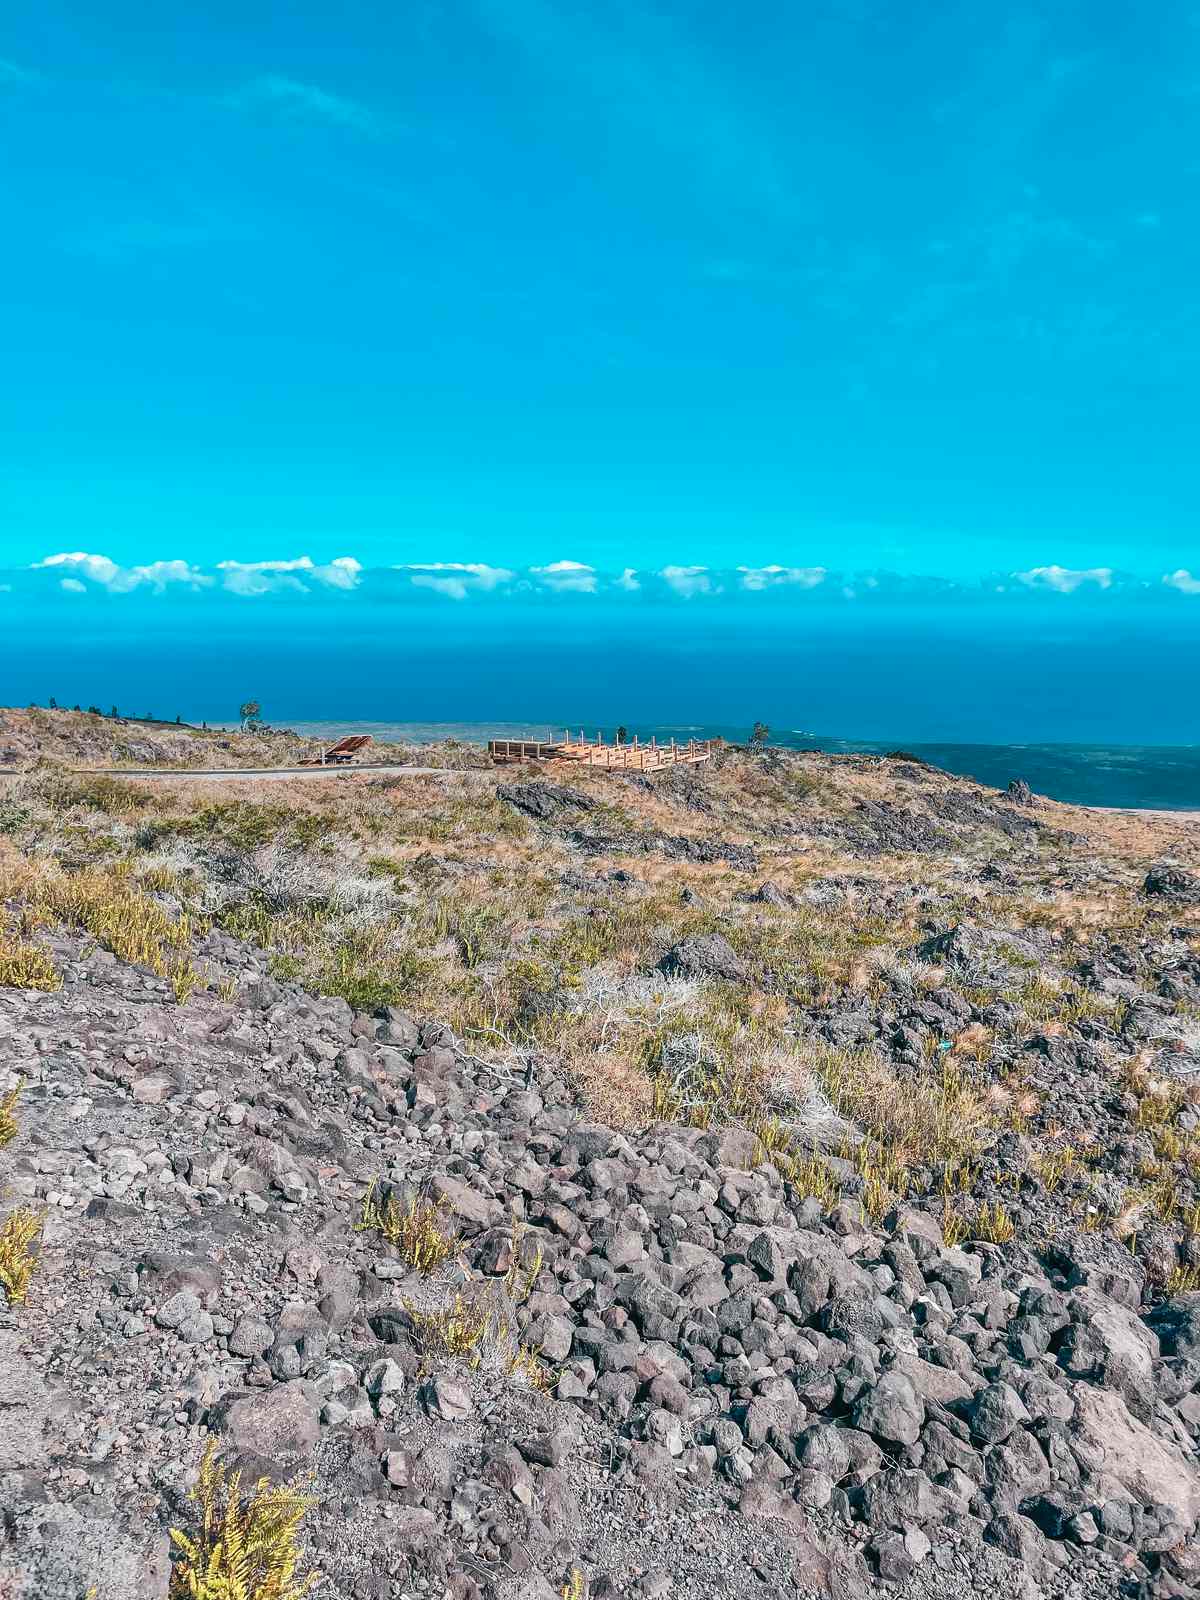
(1163, 778)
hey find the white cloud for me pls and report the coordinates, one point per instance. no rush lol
(567, 577)
(343, 572)
(628, 580)
(11, 73)
(99, 568)
(250, 578)
(308, 99)
(688, 581)
(157, 575)
(452, 588)
(1182, 580)
(775, 576)
(1065, 580)
(456, 579)
(73, 585)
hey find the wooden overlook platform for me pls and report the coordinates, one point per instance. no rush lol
(631, 757)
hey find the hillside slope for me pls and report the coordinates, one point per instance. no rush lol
(780, 1178)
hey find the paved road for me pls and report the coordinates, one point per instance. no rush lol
(281, 772)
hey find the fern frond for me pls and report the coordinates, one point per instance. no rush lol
(246, 1549)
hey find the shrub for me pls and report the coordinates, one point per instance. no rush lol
(111, 796)
(242, 1551)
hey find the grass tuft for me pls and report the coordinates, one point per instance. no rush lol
(104, 903)
(990, 1223)
(25, 965)
(457, 1331)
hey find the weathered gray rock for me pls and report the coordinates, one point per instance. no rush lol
(995, 1411)
(891, 1410)
(1109, 1441)
(24, 1407)
(64, 1554)
(1171, 882)
(281, 1423)
(708, 955)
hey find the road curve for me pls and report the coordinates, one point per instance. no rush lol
(280, 772)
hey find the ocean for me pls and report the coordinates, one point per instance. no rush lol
(1156, 777)
(1097, 709)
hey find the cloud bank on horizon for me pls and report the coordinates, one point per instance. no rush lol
(78, 572)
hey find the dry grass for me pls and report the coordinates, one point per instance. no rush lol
(105, 903)
(471, 1330)
(936, 1117)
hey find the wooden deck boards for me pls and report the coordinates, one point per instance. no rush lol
(631, 757)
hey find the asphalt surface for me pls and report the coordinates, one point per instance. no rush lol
(272, 773)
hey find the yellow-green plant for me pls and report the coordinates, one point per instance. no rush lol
(811, 1177)
(525, 1365)
(954, 1228)
(8, 1116)
(419, 1230)
(1055, 1165)
(244, 1550)
(456, 1331)
(573, 1588)
(17, 1257)
(524, 1268)
(105, 903)
(25, 965)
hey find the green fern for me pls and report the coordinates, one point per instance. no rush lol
(243, 1551)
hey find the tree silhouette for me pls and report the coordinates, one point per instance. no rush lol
(759, 736)
(251, 714)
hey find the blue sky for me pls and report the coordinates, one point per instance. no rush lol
(624, 359)
(850, 285)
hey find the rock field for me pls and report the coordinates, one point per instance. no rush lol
(704, 1353)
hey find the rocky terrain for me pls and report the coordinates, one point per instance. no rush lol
(90, 739)
(775, 1179)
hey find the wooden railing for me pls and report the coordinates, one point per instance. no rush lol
(633, 756)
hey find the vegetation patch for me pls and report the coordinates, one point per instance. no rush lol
(246, 1548)
(420, 1230)
(18, 1257)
